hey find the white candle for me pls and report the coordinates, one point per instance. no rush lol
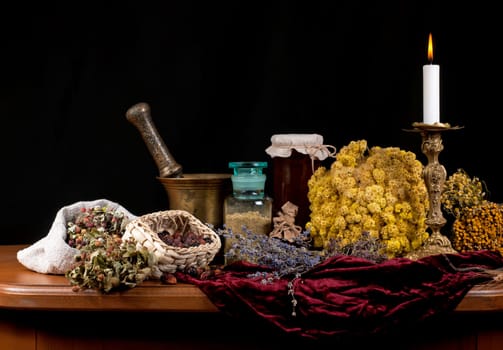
(431, 89)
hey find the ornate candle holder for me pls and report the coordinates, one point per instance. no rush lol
(434, 177)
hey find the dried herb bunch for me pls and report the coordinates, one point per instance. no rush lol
(478, 222)
(479, 227)
(105, 261)
(462, 191)
(366, 247)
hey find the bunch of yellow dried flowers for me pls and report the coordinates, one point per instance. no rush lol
(378, 190)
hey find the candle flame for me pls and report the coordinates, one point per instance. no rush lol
(430, 49)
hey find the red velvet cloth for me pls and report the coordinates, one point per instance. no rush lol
(346, 295)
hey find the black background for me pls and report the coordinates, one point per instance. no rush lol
(221, 78)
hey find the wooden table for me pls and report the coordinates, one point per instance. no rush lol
(39, 311)
(23, 289)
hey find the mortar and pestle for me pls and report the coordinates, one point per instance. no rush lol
(200, 194)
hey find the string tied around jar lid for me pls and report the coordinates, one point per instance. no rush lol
(312, 150)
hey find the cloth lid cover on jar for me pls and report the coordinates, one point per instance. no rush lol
(311, 144)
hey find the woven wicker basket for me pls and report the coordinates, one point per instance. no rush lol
(146, 229)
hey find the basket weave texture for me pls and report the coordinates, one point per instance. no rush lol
(145, 230)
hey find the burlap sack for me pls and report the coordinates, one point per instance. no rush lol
(51, 254)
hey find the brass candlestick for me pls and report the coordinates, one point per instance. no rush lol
(434, 177)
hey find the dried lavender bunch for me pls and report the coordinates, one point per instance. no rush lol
(293, 259)
(366, 247)
(283, 257)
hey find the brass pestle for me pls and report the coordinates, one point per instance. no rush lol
(139, 115)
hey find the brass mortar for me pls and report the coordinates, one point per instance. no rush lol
(202, 195)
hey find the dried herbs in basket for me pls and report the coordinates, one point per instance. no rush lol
(177, 239)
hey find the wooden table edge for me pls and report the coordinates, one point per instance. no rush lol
(21, 288)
